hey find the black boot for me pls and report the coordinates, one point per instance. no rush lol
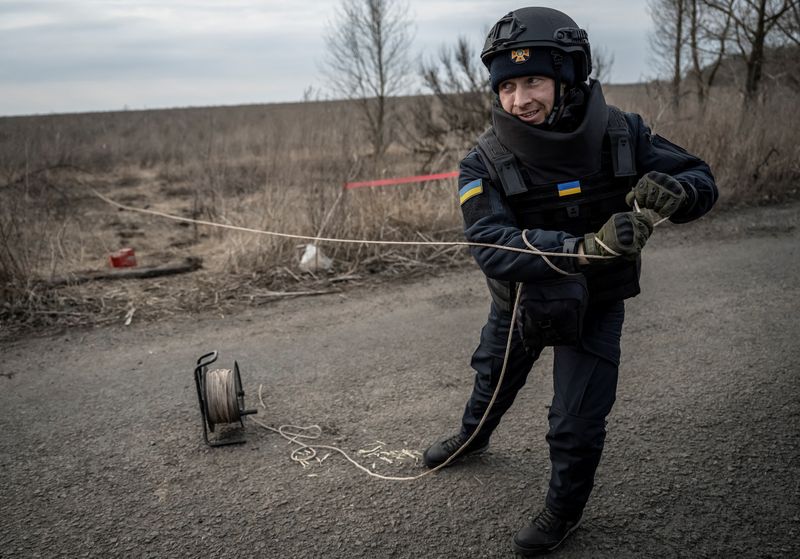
(545, 533)
(441, 450)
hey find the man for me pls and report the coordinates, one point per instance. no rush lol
(560, 171)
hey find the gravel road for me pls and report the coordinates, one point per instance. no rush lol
(101, 453)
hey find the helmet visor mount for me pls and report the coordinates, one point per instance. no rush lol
(571, 39)
(503, 32)
(569, 36)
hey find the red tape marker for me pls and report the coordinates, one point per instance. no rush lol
(402, 180)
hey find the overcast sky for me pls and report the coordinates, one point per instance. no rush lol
(70, 56)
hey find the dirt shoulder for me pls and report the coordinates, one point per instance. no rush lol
(101, 453)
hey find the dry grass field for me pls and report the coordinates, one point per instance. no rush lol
(277, 167)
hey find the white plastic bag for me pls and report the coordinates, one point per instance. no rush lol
(313, 260)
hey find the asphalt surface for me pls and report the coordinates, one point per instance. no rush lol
(101, 453)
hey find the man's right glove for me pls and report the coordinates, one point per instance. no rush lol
(658, 192)
(624, 234)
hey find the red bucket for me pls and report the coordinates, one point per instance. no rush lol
(123, 258)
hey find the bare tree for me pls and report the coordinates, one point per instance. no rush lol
(708, 35)
(457, 105)
(755, 22)
(367, 59)
(669, 40)
(602, 63)
(788, 56)
(790, 25)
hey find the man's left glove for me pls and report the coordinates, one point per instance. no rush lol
(624, 234)
(658, 192)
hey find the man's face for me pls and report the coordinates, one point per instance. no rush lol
(529, 98)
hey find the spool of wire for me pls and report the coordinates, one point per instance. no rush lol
(221, 398)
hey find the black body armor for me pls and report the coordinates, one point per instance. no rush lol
(598, 159)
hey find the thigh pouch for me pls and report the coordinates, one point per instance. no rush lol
(550, 313)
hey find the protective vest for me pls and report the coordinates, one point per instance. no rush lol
(569, 182)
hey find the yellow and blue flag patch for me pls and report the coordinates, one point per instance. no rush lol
(470, 189)
(569, 188)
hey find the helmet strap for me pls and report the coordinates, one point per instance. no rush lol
(558, 60)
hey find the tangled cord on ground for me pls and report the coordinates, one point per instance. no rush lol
(306, 451)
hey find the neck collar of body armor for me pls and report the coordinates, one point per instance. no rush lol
(569, 113)
(553, 155)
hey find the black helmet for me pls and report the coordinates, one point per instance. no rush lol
(545, 29)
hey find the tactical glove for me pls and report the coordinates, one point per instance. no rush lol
(658, 192)
(624, 234)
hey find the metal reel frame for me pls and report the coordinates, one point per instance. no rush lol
(200, 372)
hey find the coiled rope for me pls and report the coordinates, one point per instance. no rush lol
(221, 398)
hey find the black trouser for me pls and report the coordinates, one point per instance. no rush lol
(584, 386)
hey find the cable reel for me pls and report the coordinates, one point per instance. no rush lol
(221, 398)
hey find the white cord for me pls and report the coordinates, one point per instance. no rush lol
(605, 246)
(337, 240)
(547, 260)
(295, 434)
(306, 452)
(638, 209)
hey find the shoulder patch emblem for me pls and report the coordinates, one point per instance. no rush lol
(470, 189)
(519, 56)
